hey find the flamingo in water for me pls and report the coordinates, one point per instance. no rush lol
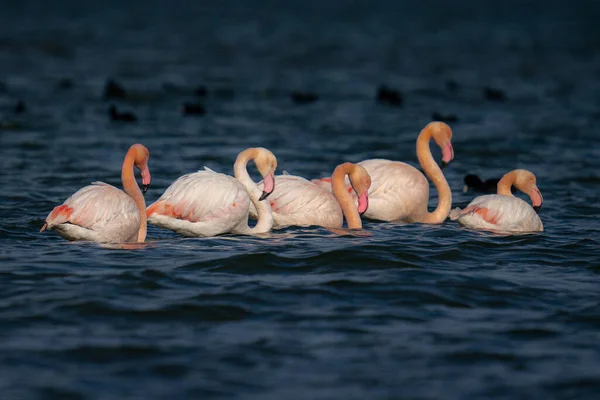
(502, 211)
(207, 203)
(298, 201)
(400, 192)
(101, 212)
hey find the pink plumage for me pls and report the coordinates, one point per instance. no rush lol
(503, 212)
(101, 212)
(208, 203)
(98, 212)
(399, 191)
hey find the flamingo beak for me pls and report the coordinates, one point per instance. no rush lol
(363, 203)
(447, 155)
(268, 185)
(536, 199)
(145, 178)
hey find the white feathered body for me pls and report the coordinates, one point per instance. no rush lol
(98, 212)
(498, 213)
(299, 202)
(203, 203)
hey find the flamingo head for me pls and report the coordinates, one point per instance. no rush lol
(442, 134)
(266, 162)
(361, 182)
(141, 162)
(526, 182)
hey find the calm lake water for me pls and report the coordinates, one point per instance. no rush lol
(411, 311)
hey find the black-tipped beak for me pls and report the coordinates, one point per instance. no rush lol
(443, 164)
(145, 188)
(264, 196)
(537, 208)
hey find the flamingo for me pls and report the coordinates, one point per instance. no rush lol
(102, 213)
(207, 203)
(502, 211)
(400, 191)
(298, 201)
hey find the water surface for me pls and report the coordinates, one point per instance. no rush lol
(411, 311)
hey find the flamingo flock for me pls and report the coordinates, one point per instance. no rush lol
(207, 203)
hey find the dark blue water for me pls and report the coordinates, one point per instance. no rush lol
(410, 311)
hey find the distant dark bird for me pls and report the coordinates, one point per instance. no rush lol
(304, 97)
(474, 183)
(201, 91)
(451, 85)
(65, 83)
(444, 117)
(20, 107)
(390, 96)
(116, 115)
(113, 90)
(493, 94)
(193, 109)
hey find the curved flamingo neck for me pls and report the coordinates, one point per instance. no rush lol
(131, 187)
(263, 208)
(343, 197)
(434, 173)
(506, 183)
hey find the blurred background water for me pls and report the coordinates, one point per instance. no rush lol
(411, 311)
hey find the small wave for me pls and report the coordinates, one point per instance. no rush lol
(171, 312)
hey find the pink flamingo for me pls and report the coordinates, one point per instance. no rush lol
(400, 191)
(504, 212)
(207, 203)
(101, 212)
(297, 201)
